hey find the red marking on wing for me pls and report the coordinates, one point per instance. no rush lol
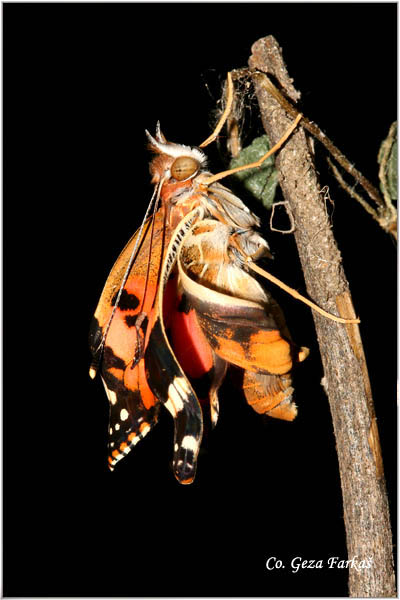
(190, 345)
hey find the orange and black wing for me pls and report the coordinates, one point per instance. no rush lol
(240, 321)
(133, 406)
(166, 377)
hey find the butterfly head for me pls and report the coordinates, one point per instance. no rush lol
(174, 161)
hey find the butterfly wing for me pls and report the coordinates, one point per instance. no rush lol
(166, 376)
(205, 369)
(230, 318)
(238, 318)
(133, 406)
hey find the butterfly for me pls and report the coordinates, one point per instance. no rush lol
(180, 305)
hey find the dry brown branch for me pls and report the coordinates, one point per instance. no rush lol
(366, 513)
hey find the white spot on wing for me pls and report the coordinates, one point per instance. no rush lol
(123, 414)
(132, 443)
(116, 459)
(182, 386)
(112, 396)
(175, 397)
(145, 430)
(189, 443)
(170, 408)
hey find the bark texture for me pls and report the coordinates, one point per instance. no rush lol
(366, 512)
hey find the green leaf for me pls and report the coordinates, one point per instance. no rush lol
(262, 181)
(387, 158)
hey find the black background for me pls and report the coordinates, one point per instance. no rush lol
(81, 83)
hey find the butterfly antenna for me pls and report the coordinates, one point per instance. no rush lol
(149, 257)
(141, 315)
(154, 200)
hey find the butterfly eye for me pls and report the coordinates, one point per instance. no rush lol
(184, 167)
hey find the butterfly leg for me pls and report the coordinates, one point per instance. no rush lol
(219, 372)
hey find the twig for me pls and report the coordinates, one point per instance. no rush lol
(383, 158)
(365, 505)
(289, 214)
(259, 162)
(234, 143)
(350, 190)
(387, 215)
(387, 219)
(296, 294)
(224, 116)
